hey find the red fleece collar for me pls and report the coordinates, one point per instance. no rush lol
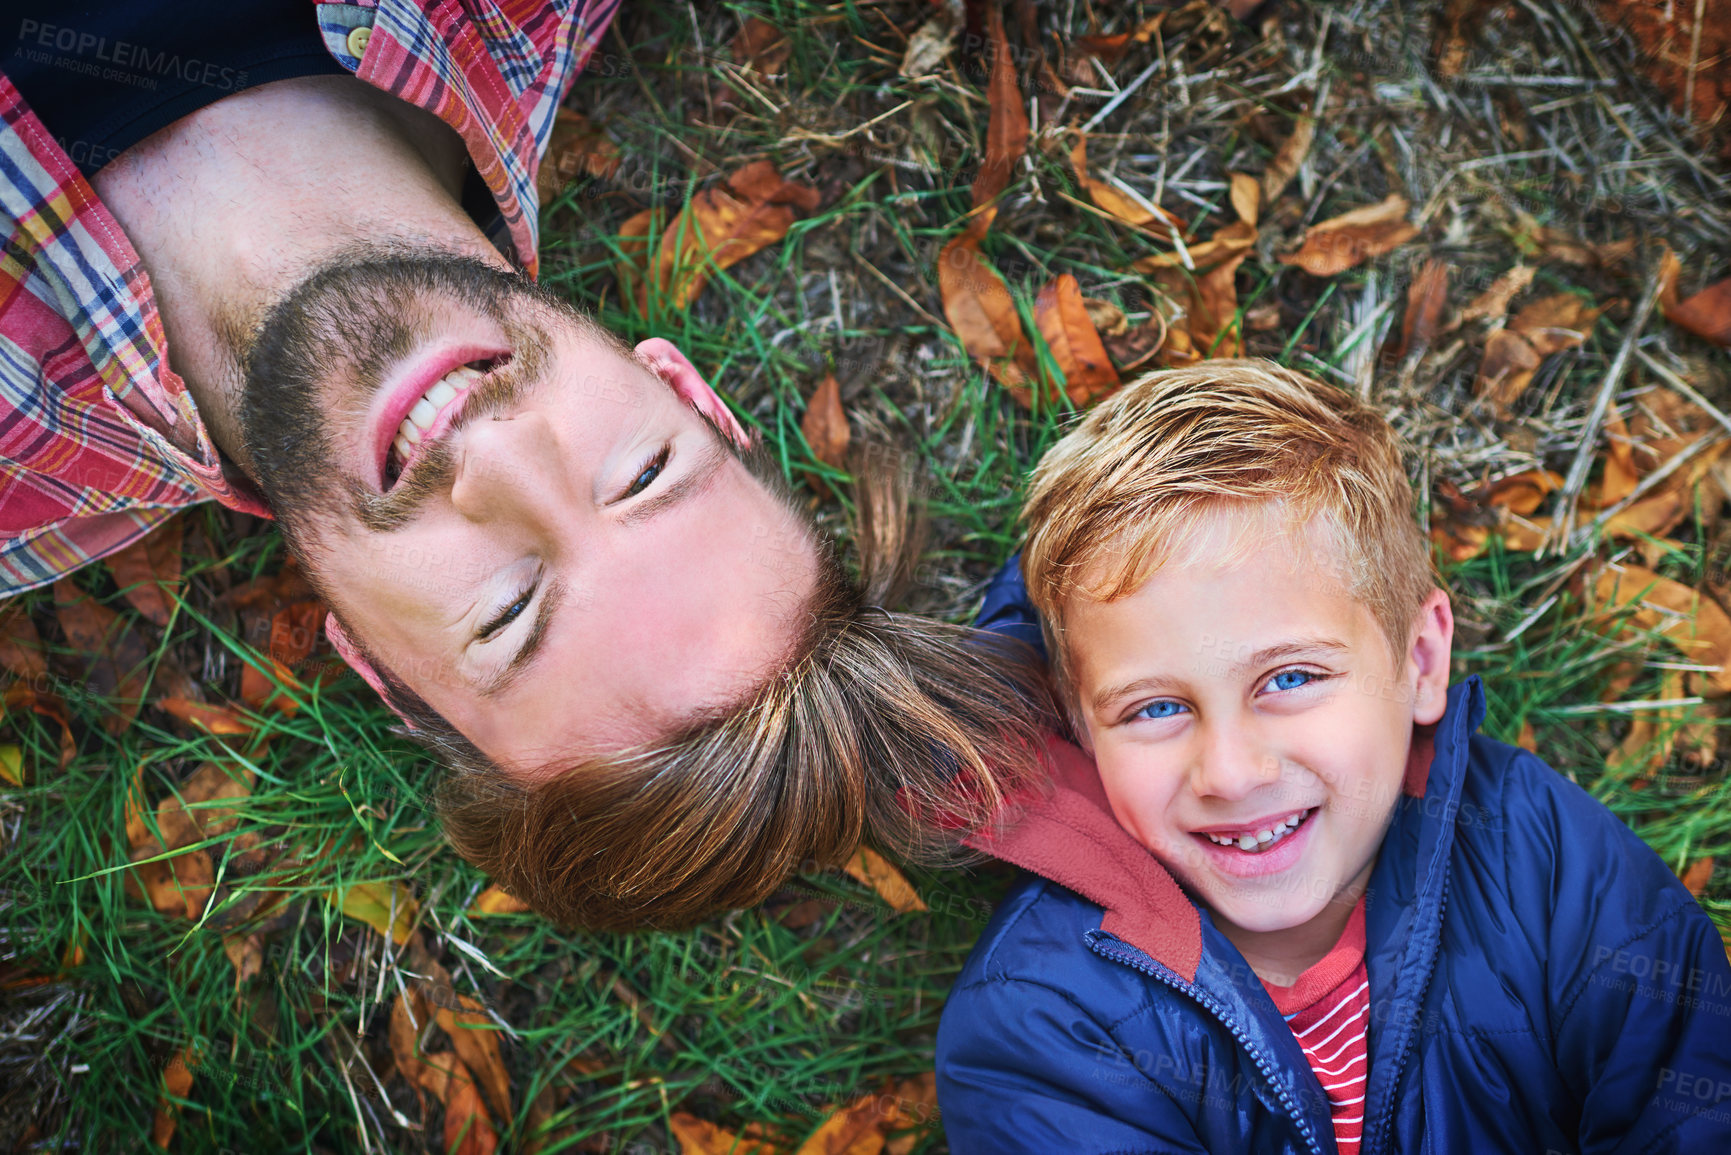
(1068, 835)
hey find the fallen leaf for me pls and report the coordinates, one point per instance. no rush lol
(221, 720)
(294, 632)
(825, 423)
(476, 1041)
(978, 306)
(1007, 128)
(1214, 323)
(856, 1129)
(930, 43)
(148, 571)
(1425, 300)
(1246, 197)
(1552, 324)
(496, 901)
(113, 656)
(468, 1128)
(1455, 32)
(1696, 876)
(1108, 319)
(760, 46)
(176, 1084)
(1695, 624)
(21, 645)
(1111, 199)
(259, 691)
(1352, 238)
(387, 907)
(1063, 320)
(12, 764)
(245, 953)
(576, 146)
(1652, 734)
(1289, 158)
(1233, 240)
(1707, 314)
(1554, 244)
(701, 1137)
(21, 695)
(1619, 476)
(871, 868)
(915, 1110)
(1506, 370)
(1494, 301)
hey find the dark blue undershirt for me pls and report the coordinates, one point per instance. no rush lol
(102, 76)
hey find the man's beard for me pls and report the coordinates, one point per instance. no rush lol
(327, 345)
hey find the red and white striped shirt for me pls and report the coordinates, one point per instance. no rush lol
(1328, 1009)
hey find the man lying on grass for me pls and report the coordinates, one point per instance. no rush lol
(1293, 902)
(298, 281)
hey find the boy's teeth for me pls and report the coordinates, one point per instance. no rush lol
(1261, 839)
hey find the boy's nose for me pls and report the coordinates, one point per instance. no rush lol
(1231, 765)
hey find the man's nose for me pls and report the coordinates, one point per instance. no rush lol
(510, 468)
(1232, 763)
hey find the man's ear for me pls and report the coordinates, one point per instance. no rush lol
(351, 653)
(1428, 656)
(672, 367)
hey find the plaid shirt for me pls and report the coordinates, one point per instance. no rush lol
(99, 439)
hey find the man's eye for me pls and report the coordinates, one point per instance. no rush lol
(510, 614)
(1164, 708)
(647, 477)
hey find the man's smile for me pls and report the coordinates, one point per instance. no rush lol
(420, 398)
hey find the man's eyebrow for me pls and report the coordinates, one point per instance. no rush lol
(702, 474)
(1268, 655)
(526, 653)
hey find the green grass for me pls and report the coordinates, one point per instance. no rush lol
(747, 1019)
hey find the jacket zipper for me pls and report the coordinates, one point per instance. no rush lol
(1377, 1141)
(1190, 990)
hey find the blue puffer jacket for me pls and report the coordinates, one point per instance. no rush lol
(1540, 983)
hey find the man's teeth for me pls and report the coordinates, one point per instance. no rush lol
(420, 418)
(1262, 839)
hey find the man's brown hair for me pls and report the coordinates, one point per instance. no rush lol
(1123, 492)
(880, 727)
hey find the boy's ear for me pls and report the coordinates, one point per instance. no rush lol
(683, 378)
(1428, 656)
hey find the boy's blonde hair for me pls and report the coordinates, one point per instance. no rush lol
(1123, 493)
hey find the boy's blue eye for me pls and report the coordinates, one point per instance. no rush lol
(1290, 679)
(1164, 708)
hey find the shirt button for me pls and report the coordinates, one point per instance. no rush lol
(358, 38)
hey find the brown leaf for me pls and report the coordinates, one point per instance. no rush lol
(1114, 201)
(496, 901)
(930, 43)
(916, 1107)
(1108, 319)
(978, 306)
(246, 953)
(1232, 241)
(1425, 300)
(1507, 369)
(258, 690)
(576, 146)
(20, 695)
(1246, 195)
(1352, 238)
(221, 720)
(1063, 321)
(1007, 128)
(476, 1041)
(856, 1129)
(1620, 474)
(468, 1129)
(410, 1015)
(825, 423)
(1552, 324)
(294, 631)
(1522, 492)
(1288, 159)
(1456, 31)
(1494, 301)
(871, 868)
(176, 1083)
(1707, 314)
(701, 1137)
(148, 571)
(113, 656)
(1697, 875)
(21, 645)
(1696, 625)
(760, 46)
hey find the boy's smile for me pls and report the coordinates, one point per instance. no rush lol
(1251, 724)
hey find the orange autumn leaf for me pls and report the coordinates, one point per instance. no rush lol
(760, 46)
(978, 306)
(701, 1137)
(1069, 332)
(496, 901)
(856, 1129)
(1352, 238)
(1707, 314)
(476, 1041)
(112, 654)
(1007, 128)
(22, 696)
(148, 571)
(1425, 300)
(1289, 158)
(871, 868)
(1506, 369)
(1692, 622)
(1493, 303)
(1552, 324)
(825, 423)
(176, 1084)
(1696, 876)
(914, 1111)
(1114, 201)
(575, 146)
(1245, 193)
(294, 632)
(1522, 492)
(258, 690)
(220, 720)
(468, 1128)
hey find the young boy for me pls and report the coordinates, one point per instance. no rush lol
(1294, 903)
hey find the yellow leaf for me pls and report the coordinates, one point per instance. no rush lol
(387, 907)
(870, 867)
(496, 901)
(12, 764)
